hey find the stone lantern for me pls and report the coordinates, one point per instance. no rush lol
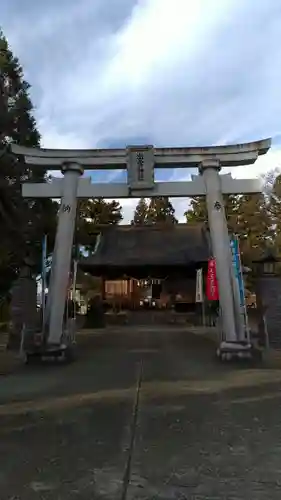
(23, 305)
(268, 293)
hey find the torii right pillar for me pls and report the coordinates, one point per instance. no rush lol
(231, 345)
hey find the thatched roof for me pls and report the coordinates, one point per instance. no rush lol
(148, 246)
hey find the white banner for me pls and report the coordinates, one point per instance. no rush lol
(199, 286)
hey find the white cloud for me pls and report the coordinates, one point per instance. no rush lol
(264, 164)
(53, 140)
(179, 72)
(156, 37)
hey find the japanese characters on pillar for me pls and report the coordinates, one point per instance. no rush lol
(140, 167)
(65, 208)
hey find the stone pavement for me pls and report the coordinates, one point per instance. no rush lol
(141, 415)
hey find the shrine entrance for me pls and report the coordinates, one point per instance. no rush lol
(140, 164)
(148, 272)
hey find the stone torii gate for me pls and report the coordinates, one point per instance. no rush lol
(140, 163)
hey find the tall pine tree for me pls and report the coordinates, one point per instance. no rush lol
(140, 213)
(23, 222)
(161, 210)
(91, 215)
(197, 211)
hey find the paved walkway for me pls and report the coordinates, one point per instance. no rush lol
(141, 415)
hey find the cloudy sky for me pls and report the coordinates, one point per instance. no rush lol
(107, 73)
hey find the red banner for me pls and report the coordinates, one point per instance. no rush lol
(212, 289)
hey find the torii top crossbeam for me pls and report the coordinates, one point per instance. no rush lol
(91, 159)
(140, 163)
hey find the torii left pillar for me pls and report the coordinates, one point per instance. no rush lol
(63, 250)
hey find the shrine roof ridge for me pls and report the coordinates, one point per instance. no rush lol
(165, 244)
(154, 226)
(91, 159)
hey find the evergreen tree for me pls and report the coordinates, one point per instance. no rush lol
(272, 188)
(253, 226)
(273, 196)
(92, 214)
(140, 214)
(197, 212)
(99, 211)
(23, 222)
(248, 216)
(161, 210)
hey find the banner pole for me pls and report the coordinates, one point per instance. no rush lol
(199, 293)
(246, 322)
(203, 313)
(43, 274)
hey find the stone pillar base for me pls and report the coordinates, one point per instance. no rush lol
(228, 351)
